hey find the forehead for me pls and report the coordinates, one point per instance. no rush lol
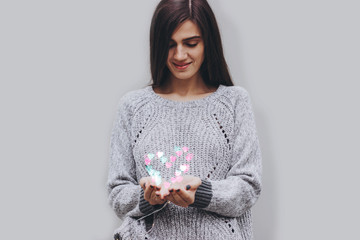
(185, 30)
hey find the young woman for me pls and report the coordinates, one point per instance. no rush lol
(185, 160)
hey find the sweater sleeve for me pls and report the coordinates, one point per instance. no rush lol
(125, 194)
(241, 188)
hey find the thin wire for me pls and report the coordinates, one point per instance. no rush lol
(167, 202)
(154, 211)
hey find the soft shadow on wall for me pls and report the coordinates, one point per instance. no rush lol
(265, 209)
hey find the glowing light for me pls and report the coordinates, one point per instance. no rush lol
(156, 175)
(147, 161)
(179, 153)
(189, 157)
(172, 158)
(159, 154)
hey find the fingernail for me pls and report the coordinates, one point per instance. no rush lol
(177, 190)
(157, 188)
(144, 185)
(151, 186)
(171, 190)
(188, 187)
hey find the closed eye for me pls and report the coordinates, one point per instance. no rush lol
(187, 44)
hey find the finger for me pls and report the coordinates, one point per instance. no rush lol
(161, 200)
(172, 189)
(158, 199)
(155, 195)
(143, 185)
(191, 180)
(170, 198)
(158, 189)
(186, 196)
(178, 199)
(180, 193)
(149, 191)
(164, 192)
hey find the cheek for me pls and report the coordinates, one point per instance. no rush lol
(171, 53)
(168, 60)
(199, 54)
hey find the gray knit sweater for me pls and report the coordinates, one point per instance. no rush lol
(213, 138)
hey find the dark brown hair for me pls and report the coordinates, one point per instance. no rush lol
(167, 16)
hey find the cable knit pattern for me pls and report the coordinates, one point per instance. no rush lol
(214, 136)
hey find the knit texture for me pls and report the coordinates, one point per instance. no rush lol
(213, 138)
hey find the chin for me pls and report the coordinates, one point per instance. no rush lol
(182, 77)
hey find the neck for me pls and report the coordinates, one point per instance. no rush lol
(186, 87)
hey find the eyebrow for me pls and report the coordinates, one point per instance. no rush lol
(187, 39)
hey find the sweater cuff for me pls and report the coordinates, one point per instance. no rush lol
(145, 207)
(203, 195)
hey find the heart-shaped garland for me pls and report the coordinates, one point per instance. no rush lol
(155, 174)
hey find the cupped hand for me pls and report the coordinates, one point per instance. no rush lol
(183, 193)
(152, 193)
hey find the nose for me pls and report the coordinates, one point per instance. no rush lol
(180, 54)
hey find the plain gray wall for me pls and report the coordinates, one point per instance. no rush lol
(65, 64)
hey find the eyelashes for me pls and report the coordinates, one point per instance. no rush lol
(188, 44)
(192, 45)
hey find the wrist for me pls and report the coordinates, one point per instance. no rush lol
(203, 194)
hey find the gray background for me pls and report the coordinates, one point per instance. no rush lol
(65, 64)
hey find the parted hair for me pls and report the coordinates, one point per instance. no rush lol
(167, 16)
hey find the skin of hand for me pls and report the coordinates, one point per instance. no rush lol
(151, 191)
(180, 195)
(176, 193)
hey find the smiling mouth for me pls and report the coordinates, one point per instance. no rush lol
(184, 66)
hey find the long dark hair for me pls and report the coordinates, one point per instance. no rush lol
(167, 16)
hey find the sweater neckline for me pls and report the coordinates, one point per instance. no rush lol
(190, 103)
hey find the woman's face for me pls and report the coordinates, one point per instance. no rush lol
(186, 51)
